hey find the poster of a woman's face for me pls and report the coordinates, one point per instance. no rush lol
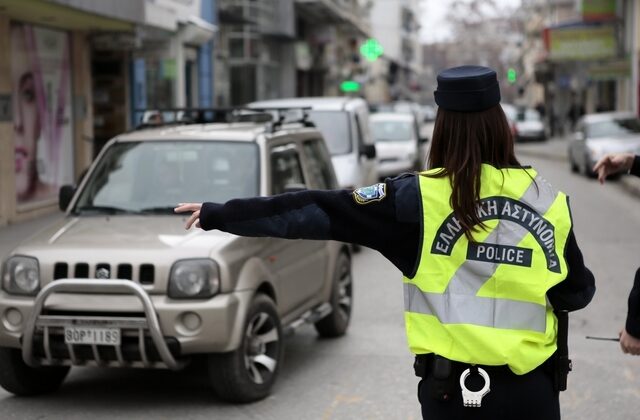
(41, 112)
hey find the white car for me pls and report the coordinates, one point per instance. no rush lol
(599, 134)
(529, 126)
(344, 124)
(526, 124)
(396, 143)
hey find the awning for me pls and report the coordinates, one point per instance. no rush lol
(196, 30)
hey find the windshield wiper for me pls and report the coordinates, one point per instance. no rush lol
(103, 209)
(158, 210)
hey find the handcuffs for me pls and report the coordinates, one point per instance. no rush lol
(474, 398)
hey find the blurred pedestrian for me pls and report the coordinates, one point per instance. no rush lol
(485, 244)
(630, 333)
(576, 110)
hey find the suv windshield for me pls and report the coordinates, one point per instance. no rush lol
(614, 127)
(153, 177)
(334, 126)
(392, 130)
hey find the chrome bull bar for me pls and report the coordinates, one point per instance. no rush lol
(95, 286)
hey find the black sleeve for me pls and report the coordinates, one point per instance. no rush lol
(635, 168)
(577, 290)
(390, 225)
(633, 314)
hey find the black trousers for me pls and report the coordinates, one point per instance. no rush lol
(512, 397)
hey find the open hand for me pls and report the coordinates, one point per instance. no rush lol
(195, 216)
(613, 163)
(629, 344)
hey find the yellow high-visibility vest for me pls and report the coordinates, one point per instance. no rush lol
(484, 302)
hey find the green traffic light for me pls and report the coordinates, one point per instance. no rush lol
(350, 86)
(512, 75)
(371, 49)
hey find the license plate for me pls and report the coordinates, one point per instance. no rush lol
(90, 335)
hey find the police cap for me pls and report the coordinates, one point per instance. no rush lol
(467, 89)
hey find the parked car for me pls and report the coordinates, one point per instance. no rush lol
(396, 143)
(529, 126)
(526, 124)
(423, 130)
(120, 283)
(344, 123)
(599, 134)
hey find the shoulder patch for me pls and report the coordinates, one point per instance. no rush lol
(370, 194)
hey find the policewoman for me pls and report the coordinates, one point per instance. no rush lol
(486, 247)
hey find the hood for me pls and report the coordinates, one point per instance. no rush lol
(146, 234)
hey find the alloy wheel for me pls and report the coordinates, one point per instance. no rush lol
(261, 348)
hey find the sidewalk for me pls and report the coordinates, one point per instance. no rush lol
(558, 149)
(12, 235)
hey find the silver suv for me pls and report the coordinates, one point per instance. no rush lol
(120, 283)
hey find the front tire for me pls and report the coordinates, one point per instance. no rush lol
(336, 323)
(574, 166)
(21, 379)
(248, 373)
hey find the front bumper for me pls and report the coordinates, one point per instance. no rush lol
(163, 328)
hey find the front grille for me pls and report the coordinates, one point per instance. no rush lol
(103, 271)
(60, 271)
(123, 271)
(82, 271)
(147, 274)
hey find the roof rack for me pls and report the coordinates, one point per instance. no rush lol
(280, 116)
(274, 117)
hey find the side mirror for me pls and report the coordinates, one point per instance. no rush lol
(64, 196)
(578, 136)
(368, 150)
(423, 140)
(294, 188)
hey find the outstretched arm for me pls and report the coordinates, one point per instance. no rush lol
(389, 222)
(616, 162)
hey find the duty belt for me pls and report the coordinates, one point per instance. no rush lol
(443, 375)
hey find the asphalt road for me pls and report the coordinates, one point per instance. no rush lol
(367, 374)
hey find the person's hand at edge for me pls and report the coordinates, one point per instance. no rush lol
(629, 344)
(195, 215)
(612, 163)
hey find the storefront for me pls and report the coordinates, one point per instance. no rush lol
(45, 103)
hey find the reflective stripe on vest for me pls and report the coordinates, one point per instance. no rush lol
(499, 282)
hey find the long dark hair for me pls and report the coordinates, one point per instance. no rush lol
(461, 142)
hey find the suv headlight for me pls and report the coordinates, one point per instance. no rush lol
(194, 279)
(21, 276)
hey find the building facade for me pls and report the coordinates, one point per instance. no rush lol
(580, 53)
(72, 75)
(397, 75)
